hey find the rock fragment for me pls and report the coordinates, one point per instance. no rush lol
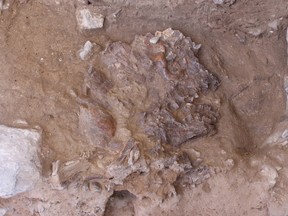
(218, 1)
(270, 174)
(3, 211)
(194, 176)
(256, 31)
(128, 162)
(86, 50)
(286, 83)
(221, 2)
(274, 24)
(229, 163)
(55, 180)
(287, 44)
(97, 125)
(1, 6)
(154, 40)
(19, 163)
(89, 19)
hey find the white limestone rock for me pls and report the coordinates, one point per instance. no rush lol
(221, 2)
(86, 50)
(3, 211)
(270, 174)
(88, 19)
(19, 162)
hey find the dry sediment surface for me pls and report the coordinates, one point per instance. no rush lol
(143, 108)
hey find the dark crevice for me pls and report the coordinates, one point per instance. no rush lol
(120, 203)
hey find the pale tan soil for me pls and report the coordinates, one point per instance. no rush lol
(41, 77)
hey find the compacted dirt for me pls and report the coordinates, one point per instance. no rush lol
(134, 139)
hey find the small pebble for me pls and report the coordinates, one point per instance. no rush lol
(274, 25)
(94, 186)
(154, 40)
(230, 163)
(195, 153)
(20, 122)
(86, 50)
(285, 134)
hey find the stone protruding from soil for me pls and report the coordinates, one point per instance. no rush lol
(19, 162)
(85, 51)
(97, 124)
(88, 19)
